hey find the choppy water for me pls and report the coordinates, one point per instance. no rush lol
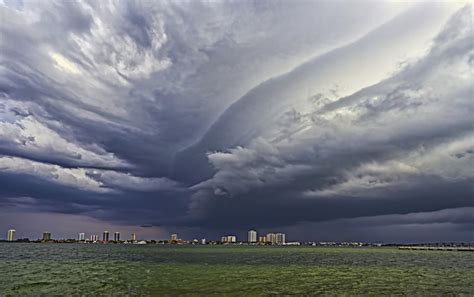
(82, 269)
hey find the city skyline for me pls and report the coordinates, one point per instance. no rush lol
(256, 237)
(252, 237)
(325, 120)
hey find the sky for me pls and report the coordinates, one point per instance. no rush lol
(330, 121)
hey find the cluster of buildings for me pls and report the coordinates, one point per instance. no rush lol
(46, 237)
(105, 237)
(253, 238)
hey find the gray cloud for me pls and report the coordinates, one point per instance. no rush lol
(198, 115)
(382, 149)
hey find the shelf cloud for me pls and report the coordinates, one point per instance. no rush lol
(198, 117)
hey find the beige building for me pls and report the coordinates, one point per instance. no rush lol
(11, 235)
(280, 238)
(252, 236)
(271, 238)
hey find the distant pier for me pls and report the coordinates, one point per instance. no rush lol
(438, 248)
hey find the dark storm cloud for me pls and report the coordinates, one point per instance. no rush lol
(131, 206)
(232, 115)
(273, 208)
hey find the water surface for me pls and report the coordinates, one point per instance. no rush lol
(95, 269)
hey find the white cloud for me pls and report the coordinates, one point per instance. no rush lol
(64, 64)
(126, 181)
(100, 181)
(75, 178)
(24, 129)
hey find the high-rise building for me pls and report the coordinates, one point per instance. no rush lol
(46, 236)
(82, 237)
(105, 236)
(174, 237)
(94, 238)
(224, 239)
(262, 239)
(203, 241)
(11, 235)
(231, 238)
(133, 237)
(280, 238)
(117, 236)
(252, 236)
(271, 238)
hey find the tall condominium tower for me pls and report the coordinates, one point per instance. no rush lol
(280, 238)
(82, 237)
(252, 236)
(11, 235)
(133, 237)
(46, 236)
(271, 238)
(105, 236)
(117, 236)
(174, 237)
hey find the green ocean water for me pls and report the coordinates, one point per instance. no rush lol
(143, 270)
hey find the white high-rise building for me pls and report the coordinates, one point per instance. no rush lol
(94, 237)
(271, 238)
(224, 239)
(280, 238)
(252, 236)
(82, 236)
(11, 235)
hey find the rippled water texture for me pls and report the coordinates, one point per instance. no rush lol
(81, 269)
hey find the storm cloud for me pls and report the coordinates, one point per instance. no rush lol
(217, 117)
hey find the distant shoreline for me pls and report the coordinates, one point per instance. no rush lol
(464, 247)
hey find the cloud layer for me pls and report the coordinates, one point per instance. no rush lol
(203, 117)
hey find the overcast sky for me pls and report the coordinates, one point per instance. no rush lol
(326, 120)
